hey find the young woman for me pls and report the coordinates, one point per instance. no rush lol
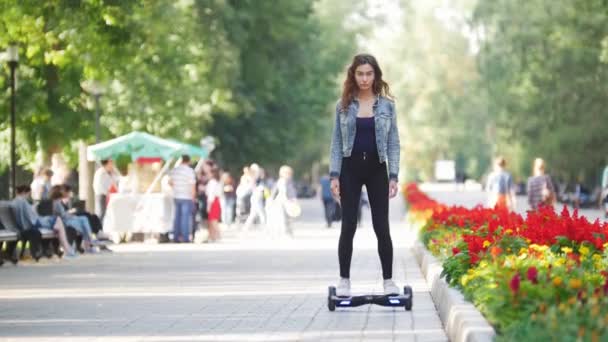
(540, 187)
(283, 194)
(213, 191)
(500, 187)
(228, 198)
(365, 139)
(80, 223)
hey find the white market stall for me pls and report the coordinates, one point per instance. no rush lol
(145, 211)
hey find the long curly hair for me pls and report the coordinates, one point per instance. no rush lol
(350, 88)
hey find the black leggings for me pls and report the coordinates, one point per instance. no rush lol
(358, 170)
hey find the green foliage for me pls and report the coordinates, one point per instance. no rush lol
(543, 64)
(260, 76)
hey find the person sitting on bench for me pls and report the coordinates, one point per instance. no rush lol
(80, 223)
(94, 221)
(27, 218)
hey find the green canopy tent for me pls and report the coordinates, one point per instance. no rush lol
(191, 150)
(142, 145)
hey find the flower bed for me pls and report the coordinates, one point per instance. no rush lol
(539, 277)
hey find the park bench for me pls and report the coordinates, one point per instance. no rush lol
(8, 234)
(39, 239)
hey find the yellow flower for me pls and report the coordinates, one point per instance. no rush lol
(584, 250)
(523, 250)
(596, 257)
(557, 281)
(575, 283)
(566, 250)
(464, 280)
(486, 244)
(560, 262)
(509, 231)
(483, 264)
(539, 248)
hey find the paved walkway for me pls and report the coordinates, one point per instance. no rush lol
(243, 289)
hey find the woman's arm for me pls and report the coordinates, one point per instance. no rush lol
(59, 210)
(335, 153)
(393, 147)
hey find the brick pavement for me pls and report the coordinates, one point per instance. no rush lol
(243, 289)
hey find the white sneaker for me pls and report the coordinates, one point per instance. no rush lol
(343, 289)
(390, 288)
(70, 255)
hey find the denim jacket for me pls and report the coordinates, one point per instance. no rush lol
(387, 135)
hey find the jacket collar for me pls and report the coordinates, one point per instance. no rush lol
(376, 100)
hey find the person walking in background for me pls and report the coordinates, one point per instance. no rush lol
(41, 185)
(213, 190)
(500, 187)
(541, 191)
(243, 195)
(365, 150)
(60, 168)
(282, 204)
(257, 209)
(105, 177)
(329, 203)
(183, 181)
(605, 191)
(228, 198)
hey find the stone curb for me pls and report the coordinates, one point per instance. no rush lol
(461, 320)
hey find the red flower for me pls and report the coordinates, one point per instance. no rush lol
(542, 227)
(514, 284)
(474, 259)
(495, 251)
(455, 250)
(533, 275)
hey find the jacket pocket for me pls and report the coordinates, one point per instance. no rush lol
(384, 124)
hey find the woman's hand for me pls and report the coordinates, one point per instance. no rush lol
(335, 188)
(392, 188)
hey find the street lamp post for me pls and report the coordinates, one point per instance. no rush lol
(97, 114)
(12, 54)
(96, 90)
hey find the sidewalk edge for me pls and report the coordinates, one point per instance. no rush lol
(461, 320)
